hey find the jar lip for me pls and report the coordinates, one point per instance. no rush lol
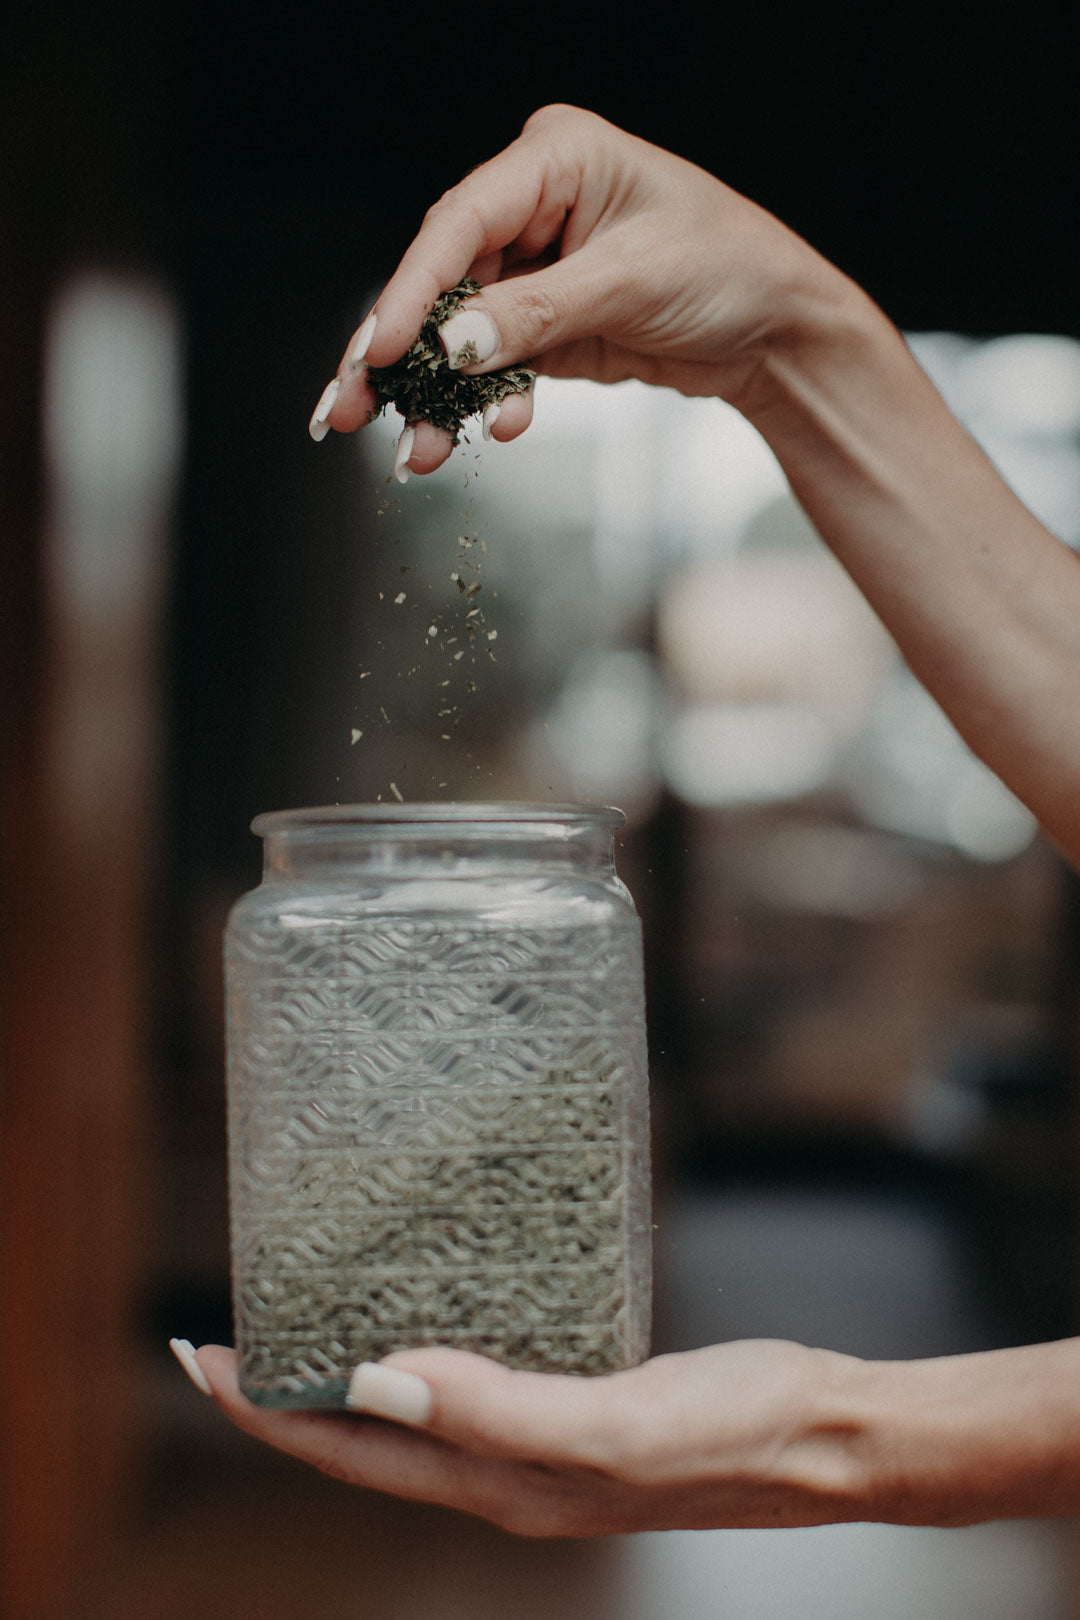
(421, 814)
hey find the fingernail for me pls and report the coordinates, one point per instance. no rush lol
(184, 1351)
(389, 1392)
(469, 338)
(491, 416)
(404, 451)
(361, 344)
(319, 427)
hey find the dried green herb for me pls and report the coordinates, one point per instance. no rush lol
(424, 388)
(508, 1239)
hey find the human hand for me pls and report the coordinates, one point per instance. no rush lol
(742, 1434)
(600, 256)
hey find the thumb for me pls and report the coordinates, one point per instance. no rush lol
(518, 320)
(494, 1411)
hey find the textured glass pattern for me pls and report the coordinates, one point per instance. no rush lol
(438, 1134)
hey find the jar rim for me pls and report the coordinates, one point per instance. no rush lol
(435, 814)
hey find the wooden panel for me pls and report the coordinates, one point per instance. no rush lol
(76, 821)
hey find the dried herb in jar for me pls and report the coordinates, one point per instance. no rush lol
(507, 1242)
(423, 386)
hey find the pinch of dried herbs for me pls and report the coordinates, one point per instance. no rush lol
(423, 387)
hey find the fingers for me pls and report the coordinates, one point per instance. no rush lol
(382, 1456)
(509, 217)
(348, 402)
(509, 418)
(522, 196)
(372, 1454)
(314, 1437)
(466, 1404)
(420, 449)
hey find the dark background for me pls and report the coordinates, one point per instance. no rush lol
(272, 165)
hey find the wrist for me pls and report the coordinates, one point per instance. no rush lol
(959, 1439)
(828, 1460)
(824, 338)
(878, 1442)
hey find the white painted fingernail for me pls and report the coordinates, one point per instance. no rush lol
(184, 1351)
(404, 451)
(491, 416)
(469, 338)
(389, 1392)
(319, 427)
(361, 344)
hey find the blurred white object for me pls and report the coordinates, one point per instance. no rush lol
(600, 737)
(724, 754)
(912, 773)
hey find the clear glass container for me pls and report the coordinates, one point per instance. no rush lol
(438, 1097)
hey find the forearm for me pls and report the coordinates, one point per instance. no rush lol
(982, 600)
(955, 1440)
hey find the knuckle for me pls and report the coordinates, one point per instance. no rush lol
(555, 112)
(439, 207)
(455, 207)
(633, 1464)
(616, 1446)
(486, 1433)
(536, 315)
(449, 204)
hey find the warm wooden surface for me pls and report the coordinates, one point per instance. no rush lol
(71, 1126)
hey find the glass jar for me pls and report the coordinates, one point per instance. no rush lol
(438, 1097)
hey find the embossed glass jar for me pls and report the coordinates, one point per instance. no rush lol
(438, 1099)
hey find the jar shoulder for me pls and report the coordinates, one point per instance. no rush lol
(578, 901)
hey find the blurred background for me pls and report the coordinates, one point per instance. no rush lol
(862, 958)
